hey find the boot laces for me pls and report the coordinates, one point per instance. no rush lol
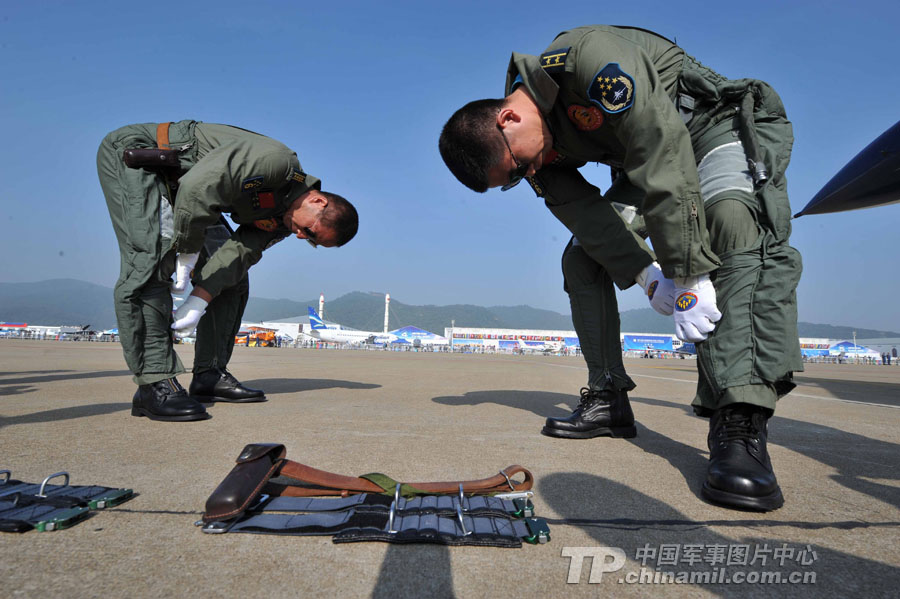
(228, 377)
(589, 396)
(738, 426)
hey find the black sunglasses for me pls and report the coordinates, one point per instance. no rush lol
(516, 175)
(310, 236)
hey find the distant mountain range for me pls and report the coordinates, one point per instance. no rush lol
(73, 302)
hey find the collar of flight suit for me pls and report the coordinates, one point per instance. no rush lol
(539, 84)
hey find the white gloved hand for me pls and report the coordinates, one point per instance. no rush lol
(188, 315)
(184, 264)
(660, 290)
(696, 313)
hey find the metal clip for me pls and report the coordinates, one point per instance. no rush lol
(8, 475)
(393, 511)
(462, 498)
(524, 508)
(216, 528)
(44, 484)
(462, 525)
(540, 532)
(515, 495)
(509, 482)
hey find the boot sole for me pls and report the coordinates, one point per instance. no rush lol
(766, 503)
(215, 398)
(617, 432)
(185, 418)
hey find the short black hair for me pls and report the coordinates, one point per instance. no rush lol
(341, 217)
(470, 143)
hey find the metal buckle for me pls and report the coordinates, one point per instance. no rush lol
(524, 508)
(540, 532)
(63, 520)
(509, 482)
(112, 499)
(52, 476)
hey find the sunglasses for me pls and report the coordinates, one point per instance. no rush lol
(517, 174)
(311, 237)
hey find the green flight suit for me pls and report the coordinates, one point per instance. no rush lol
(226, 170)
(634, 100)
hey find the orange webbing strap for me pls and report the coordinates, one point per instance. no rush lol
(162, 136)
(327, 483)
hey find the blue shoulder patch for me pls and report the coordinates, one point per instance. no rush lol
(612, 89)
(554, 61)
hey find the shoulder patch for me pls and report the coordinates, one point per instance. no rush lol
(251, 183)
(266, 224)
(586, 118)
(554, 61)
(612, 89)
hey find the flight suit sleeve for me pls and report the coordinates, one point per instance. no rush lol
(619, 77)
(212, 186)
(594, 222)
(231, 262)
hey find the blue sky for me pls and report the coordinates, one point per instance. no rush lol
(361, 90)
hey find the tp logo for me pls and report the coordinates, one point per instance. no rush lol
(603, 559)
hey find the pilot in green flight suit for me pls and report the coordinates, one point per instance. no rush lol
(169, 222)
(702, 158)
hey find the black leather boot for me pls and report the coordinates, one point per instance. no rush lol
(166, 400)
(604, 412)
(740, 472)
(219, 385)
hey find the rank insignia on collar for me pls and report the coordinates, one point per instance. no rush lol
(554, 61)
(298, 176)
(586, 118)
(266, 224)
(251, 183)
(612, 89)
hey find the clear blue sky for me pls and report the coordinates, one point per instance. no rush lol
(361, 91)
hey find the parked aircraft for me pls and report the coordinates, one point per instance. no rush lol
(320, 330)
(872, 178)
(542, 346)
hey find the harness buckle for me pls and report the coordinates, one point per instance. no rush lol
(63, 520)
(524, 508)
(540, 532)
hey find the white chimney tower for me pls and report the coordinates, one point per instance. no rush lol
(387, 305)
(322, 306)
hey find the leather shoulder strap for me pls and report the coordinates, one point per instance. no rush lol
(162, 136)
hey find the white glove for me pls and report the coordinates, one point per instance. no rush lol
(188, 315)
(184, 264)
(696, 313)
(660, 290)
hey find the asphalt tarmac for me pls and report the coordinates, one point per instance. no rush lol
(631, 507)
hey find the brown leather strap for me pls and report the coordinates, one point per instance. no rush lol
(162, 136)
(328, 483)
